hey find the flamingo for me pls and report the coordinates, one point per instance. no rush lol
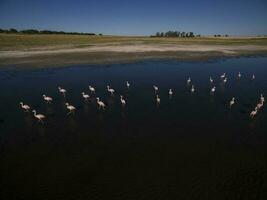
(40, 117)
(158, 99)
(25, 107)
(62, 90)
(262, 99)
(188, 80)
(239, 75)
(91, 89)
(170, 92)
(47, 99)
(211, 80)
(85, 96)
(100, 104)
(193, 89)
(213, 89)
(259, 105)
(127, 84)
(110, 90)
(232, 102)
(253, 77)
(254, 112)
(70, 108)
(155, 88)
(123, 102)
(223, 76)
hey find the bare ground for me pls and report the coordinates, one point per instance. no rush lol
(112, 53)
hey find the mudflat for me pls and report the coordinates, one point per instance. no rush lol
(59, 50)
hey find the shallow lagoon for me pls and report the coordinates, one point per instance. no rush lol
(191, 146)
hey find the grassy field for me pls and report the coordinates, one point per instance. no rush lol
(61, 50)
(25, 41)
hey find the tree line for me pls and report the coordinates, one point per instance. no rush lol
(219, 35)
(34, 31)
(175, 34)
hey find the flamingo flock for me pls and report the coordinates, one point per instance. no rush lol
(102, 106)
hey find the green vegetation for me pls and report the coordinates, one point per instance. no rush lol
(175, 34)
(34, 31)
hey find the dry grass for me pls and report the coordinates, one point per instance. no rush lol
(25, 41)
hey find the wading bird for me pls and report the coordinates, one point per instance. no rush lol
(232, 102)
(211, 80)
(91, 89)
(254, 112)
(85, 96)
(158, 99)
(213, 90)
(127, 84)
(225, 80)
(25, 107)
(47, 99)
(123, 102)
(62, 90)
(253, 77)
(39, 117)
(155, 88)
(193, 89)
(223, 76)
(100, 104)
(259, 105)
(170, 92)
(110, 90)
(239, 75)
(70, 108)
(262, 99)
(188, 80)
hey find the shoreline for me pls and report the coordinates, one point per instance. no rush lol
(112, 54)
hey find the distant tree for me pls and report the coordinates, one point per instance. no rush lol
(34, 31)
(191, 34)
(46, 32)
(100, 34)
(12, 30)
(183, 34)
(161, 34)
(167, 34)
(158, 34)
(4, 31)
(30, 31)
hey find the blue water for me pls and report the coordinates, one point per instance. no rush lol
(191, 146)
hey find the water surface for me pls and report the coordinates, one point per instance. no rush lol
(191, 146)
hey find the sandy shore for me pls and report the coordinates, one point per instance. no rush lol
(67, 55)
(133, 49)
